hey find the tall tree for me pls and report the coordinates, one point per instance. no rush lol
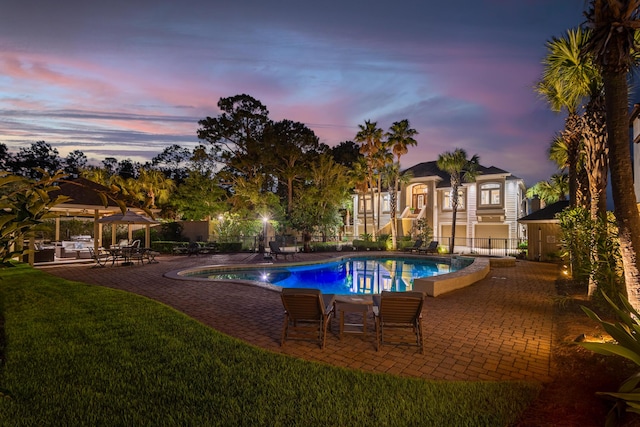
(460, 169)
(556, 188)
(346, 153)
(38, 156)
(5, 157)
(565, 83)
(75, 162)
(320, 201)
(370, 138)
(155, 186)
(173, 162)
(382, 160)
(391, 178)
(614, 24)
(291, 148)
(358, 173)
(198, 197)
(237, 136)
(400, 137)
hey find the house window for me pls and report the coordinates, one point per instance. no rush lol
(446, 202)
(386, 203)
(365, 205)
(491, 194)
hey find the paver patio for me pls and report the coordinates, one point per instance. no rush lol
(497, 329)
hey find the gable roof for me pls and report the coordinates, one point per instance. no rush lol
(547, 213)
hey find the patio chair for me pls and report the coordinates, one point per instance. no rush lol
(432, 248)
(136, 253)
(307, 314)
(193, 249)
(100, 257)
(275, 250)
(122, 243)
(416, 246)
(398, 316)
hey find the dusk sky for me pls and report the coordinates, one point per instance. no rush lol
(126, 79)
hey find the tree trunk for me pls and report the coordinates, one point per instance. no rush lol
(624, 198)
(454, 208)
(393, 202)
(373, 210)
(289, 194)
(596, 159)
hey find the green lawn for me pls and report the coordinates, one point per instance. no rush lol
(81, 355)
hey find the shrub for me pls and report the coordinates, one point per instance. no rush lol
(626, 333)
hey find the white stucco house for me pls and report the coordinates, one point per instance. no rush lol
(487, 216)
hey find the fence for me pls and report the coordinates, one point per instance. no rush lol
(485, 246)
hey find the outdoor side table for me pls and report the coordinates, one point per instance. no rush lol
(353, 305)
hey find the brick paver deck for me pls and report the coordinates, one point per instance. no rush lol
(497, 329)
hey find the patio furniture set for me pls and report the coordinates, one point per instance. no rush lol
(123, 253)
(397, 316)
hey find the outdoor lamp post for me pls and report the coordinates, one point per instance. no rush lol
(264, 232)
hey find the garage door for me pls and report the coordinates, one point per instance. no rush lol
(491, 235)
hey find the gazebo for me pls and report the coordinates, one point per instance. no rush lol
(85, 201)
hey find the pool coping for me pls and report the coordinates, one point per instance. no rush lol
(431, 286)
(438, 285)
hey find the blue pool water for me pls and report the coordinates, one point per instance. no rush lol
(356, 275)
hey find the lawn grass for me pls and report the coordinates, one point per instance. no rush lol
(82, 355)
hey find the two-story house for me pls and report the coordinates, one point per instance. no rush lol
(488, 208)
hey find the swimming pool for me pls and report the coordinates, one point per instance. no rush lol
(344, 276)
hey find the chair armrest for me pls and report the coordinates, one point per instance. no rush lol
(328, 301)
(376, 301)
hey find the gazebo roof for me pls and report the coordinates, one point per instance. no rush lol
(84, 198)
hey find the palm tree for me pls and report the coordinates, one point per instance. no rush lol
(559, 153)
(360, 181)
(156, 186)
(565, 83)
(596, 151)
(556, 188)
(569, 68)
(399, 137)
(391, 177)
(613, 24)
(382, 160)
(460, 169)
(370, 136)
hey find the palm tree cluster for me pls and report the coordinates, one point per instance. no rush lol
(586, 75)
(379, 167)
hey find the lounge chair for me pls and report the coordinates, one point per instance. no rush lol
(432, 248)
(397, 313)
(193, 249)
(416, 246)
(275, 250)
(307, 314)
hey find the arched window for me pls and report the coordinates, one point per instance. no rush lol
(419, 196)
